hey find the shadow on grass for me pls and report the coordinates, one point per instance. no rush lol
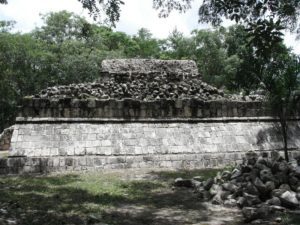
(169, 176)
(71, 199)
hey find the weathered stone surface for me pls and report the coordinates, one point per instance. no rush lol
(149, 66)
(251, 213)
(230, 187)
(5, 138)
(179, 182)
(144, 80)
(266, 175)
(208, 183)
(261, 187)
(274, 201)
(214, 189)
(230, 203)
(251, 199)
(289, 199)
(253, 189)
(143, 138)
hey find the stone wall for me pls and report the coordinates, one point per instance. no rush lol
(22, 165)
(143, 114)
(129, 68)
(90, 144)
(134, 109)
(5, 139)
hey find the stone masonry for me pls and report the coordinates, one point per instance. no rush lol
(60, 129)
(5, 139)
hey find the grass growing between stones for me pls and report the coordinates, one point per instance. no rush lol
(89, 198)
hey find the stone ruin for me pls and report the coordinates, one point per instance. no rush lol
(144, 80)
(140, 114)
(264, 188)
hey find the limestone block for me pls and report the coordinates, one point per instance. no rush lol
(178, 103)
(70, 150)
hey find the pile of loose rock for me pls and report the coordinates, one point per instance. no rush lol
(143, 90)
(145, 80)
(136, 89)
(260, 186)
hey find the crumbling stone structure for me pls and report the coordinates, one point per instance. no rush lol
(140, 113)
(5, 139)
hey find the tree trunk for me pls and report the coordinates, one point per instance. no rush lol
(284, 136)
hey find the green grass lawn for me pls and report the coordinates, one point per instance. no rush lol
(86, 198)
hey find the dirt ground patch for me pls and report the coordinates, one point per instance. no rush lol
(126, 197)
(171, 206)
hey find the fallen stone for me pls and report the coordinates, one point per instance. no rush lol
(266, 175)
(251, 157)
(246, 169)
(289, 199)
(230, 187)
(297, 172)
(215, 188)
(285, 187)
(274, 201)
(262, 160)
(204, 195)
(236, 173)
(179, 182)
(251, 189)
(226, 175)
(241, 202)
(198, 178)
(277, 192)
(225, 195)
(250, 214)
(270, 186)
(277, 208)
(231, 203)
(261, 187)
(196, 183)
(217, 199)
(251, 199)
(208, 183)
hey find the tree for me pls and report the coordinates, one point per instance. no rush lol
(264, 19)
(241, 66)
(147, 46)
(177, 46)
(66, 49)
(61, 26)
(111, 8)
(21, 65)
(281, 81)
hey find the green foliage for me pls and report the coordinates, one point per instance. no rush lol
(6, 26)
(210, 55)
(110, 8)
(280, 80)
(20, 60)
(68, 49)
(264, 20)
(146, 45)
